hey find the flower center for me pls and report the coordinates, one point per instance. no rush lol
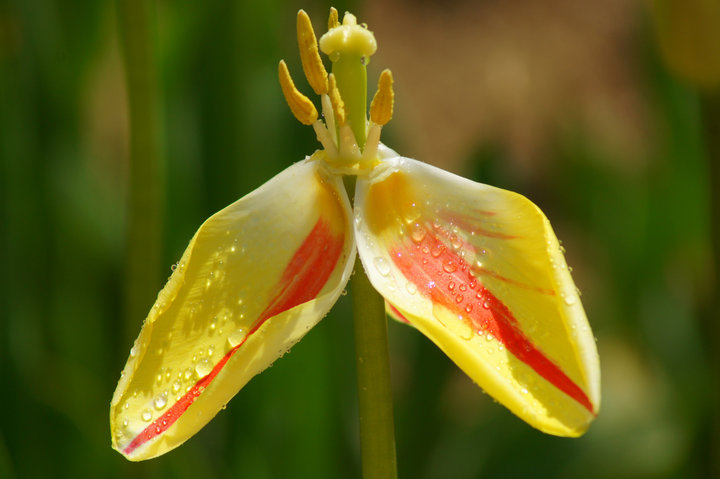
(349, 139)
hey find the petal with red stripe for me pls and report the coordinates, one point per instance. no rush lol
(480, 272)
(254, 279)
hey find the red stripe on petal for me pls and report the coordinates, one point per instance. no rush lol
(443, 276)
(303, 279)
(397, 314)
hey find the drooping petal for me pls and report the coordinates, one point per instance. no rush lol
(480, 272)
(254, 279)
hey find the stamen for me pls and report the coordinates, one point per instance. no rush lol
(325, 138)
(299, 104)
(381, 108)
(337, 102)
(328, 114)
(373, 141)
(311, 62)
(333, 20)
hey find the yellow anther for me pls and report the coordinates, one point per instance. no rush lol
(337, 102)
(299, 104)
(311, 62)
(333, 20)
(381, 108)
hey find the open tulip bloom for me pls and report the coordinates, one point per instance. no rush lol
(476, 269)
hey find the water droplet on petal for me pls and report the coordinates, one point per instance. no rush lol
(450, 266)
(437, 250)
(411, 288)
(146, 415)
(236, 337)
(203, 368)
(569, 299)
(176, 386)
(160, 400)
(382, 265)
(417, 233)
(455, 241)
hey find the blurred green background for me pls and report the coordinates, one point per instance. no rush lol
(602, 113)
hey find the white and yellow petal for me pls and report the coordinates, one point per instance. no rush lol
(254, 279)
(480, 272)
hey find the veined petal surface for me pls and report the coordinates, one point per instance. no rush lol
(254, 279)
(479, 271)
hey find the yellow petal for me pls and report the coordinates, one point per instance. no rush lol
(254, 279)
(480, 272)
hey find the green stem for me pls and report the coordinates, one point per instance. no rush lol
(711, 121)
(377, 429)
(146, 179)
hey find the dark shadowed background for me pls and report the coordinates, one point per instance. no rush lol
(602, 113)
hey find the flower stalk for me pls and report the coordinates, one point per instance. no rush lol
(146, 185)
(377, 426)
(377, 429)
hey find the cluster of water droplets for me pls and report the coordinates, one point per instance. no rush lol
(225, 331)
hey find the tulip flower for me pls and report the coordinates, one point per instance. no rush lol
(476, 269)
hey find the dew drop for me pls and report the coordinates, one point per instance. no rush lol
(174, 267)
(160, 400)
(455, 241)
(146, 415)
(188, 374)
(451, 285)
(569, 299)
(126, 423)
(410, 287)
(450, 266)
(236, 337)
(417, 233)
(468, 308)
(203, 368)
(382, 265)
(437, 250)
(176, 386)
(463, 287)
(459, 298)
(133, 352)
(211, 350)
